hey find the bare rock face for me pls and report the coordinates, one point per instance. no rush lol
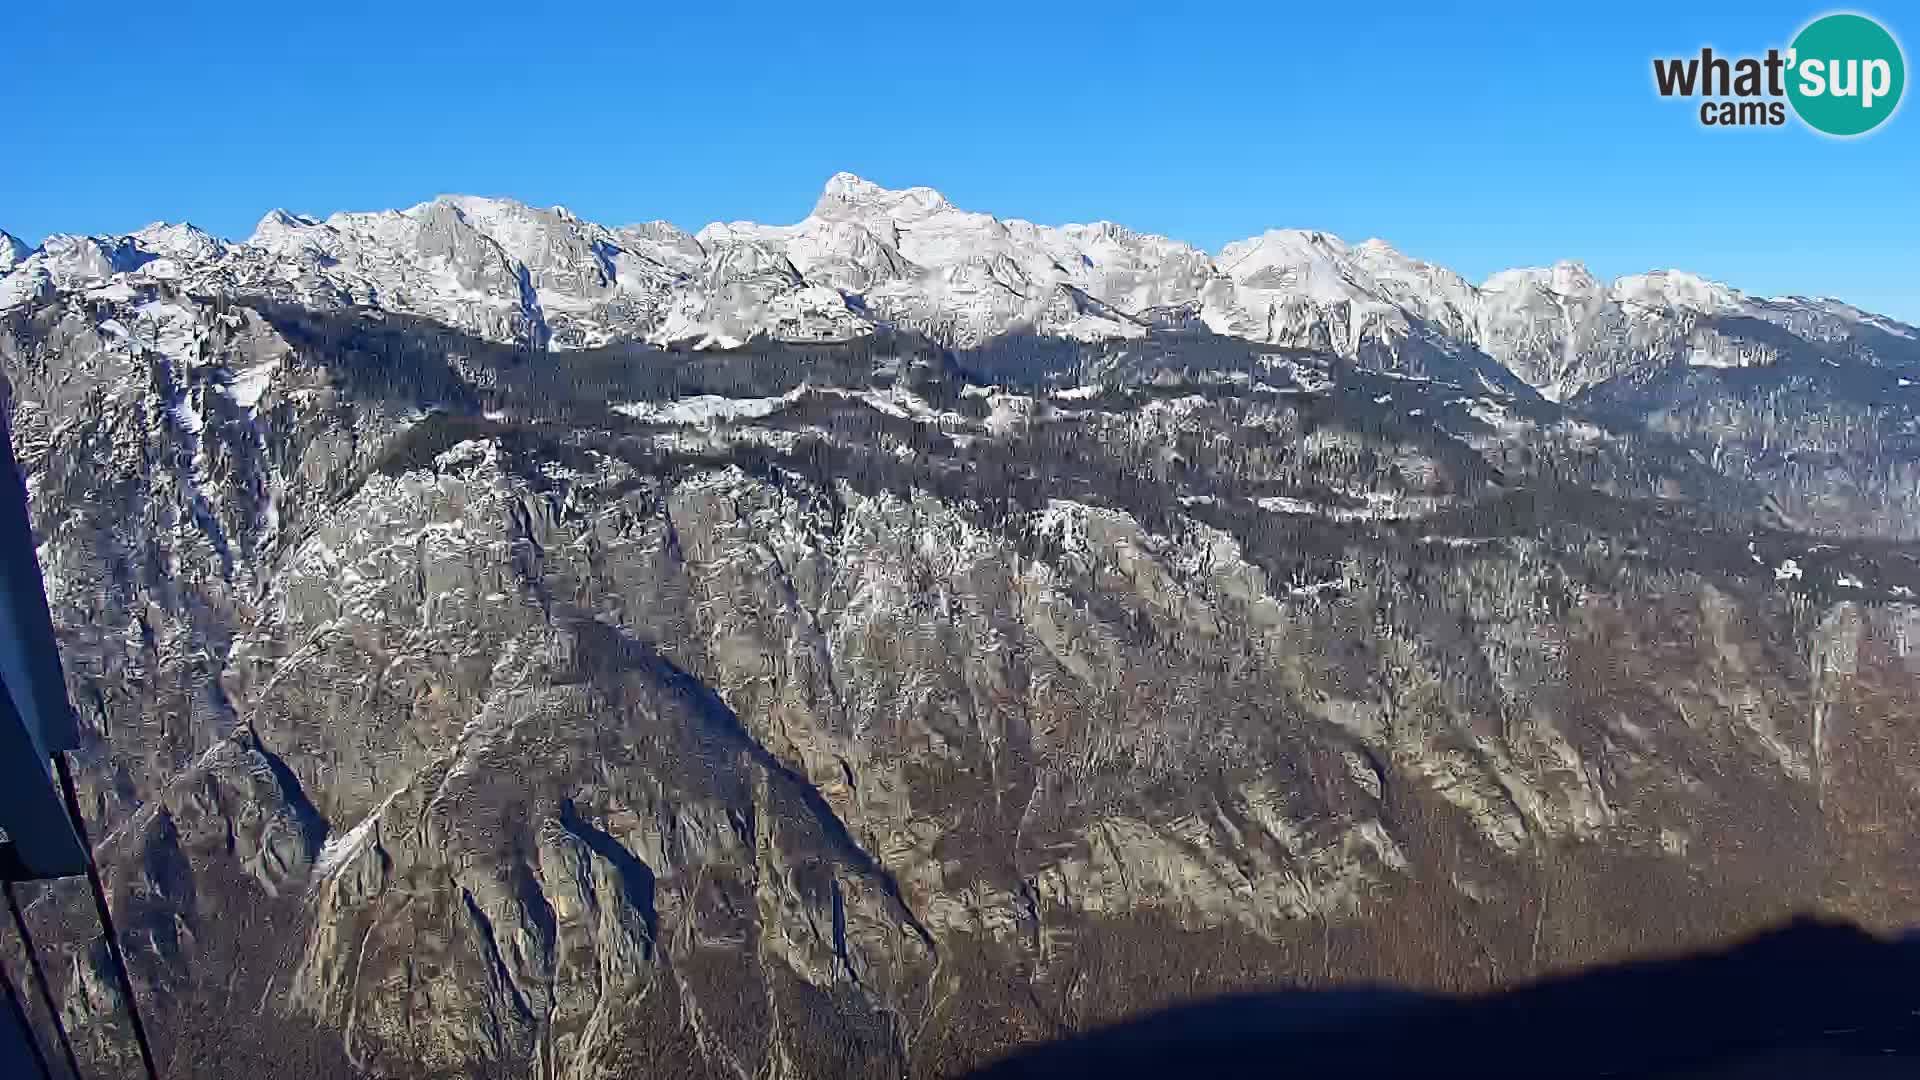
(867, 707)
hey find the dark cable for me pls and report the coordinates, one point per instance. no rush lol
(106, 915)
(26, 1029)
(40, 978)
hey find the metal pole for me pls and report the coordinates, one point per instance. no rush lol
(40, 978)
(106, 916)
(26, 1029)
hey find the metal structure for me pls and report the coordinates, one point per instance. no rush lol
(45, 835)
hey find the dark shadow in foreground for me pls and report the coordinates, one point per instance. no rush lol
(1812, 999)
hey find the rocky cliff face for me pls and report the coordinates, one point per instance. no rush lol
(461, 705)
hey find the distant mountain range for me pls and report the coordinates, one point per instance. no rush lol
(869, 257)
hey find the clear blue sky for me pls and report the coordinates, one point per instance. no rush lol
(1480, 136)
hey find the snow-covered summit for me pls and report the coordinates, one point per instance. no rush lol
(1568, 277)
(180, 240)
(12, 251)
(1676, 289)
(846, 192)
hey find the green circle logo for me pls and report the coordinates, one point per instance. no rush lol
(1845, 74)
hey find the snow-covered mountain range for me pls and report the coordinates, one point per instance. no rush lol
(869, 257)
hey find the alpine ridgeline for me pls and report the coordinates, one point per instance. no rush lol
(514, 646)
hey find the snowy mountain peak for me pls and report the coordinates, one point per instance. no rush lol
(485, 208)
(846, 192)
(1290, 240)
(276, 224)
(1566, 278)
(846, 187)
(501, 208)
(12, 251)
(72, 261)
(1676, 289)
(1312, 265)
(179, 240)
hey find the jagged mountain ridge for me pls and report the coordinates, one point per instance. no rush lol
(867, 256)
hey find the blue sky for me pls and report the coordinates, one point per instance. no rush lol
(1480, 136)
